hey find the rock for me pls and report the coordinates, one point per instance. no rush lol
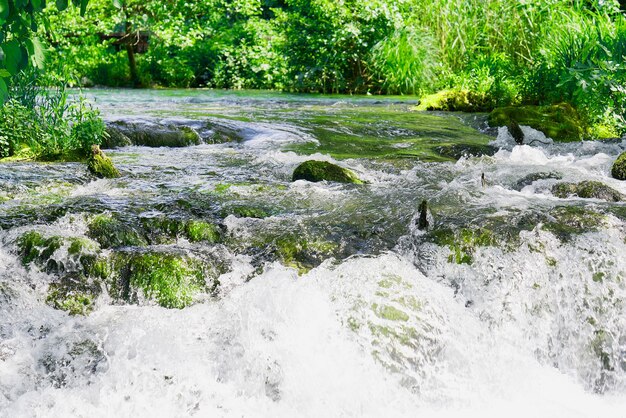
(34, 247)
(422, 223)
(566, 221)
(115, 138)
(315, 171)
(560, 122)
(100, 165)
(587, 190)
(464, 242)
(198, 231)
(533, 177)
(170, 279)
(110, 232)
(456, 100)
(74, 294)
(619, 167)
(516, 132)
(152, 134)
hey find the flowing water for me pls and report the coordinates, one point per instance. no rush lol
(326, 299)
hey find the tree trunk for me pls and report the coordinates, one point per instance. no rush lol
(132, 63)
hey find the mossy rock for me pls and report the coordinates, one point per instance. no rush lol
(533, 177)
(115, 138)
(456, 101)
(169, 279)
(303, 254)
(101, 166)
(618, 171)
(74, 294)
(315, 171)
(587, 190)
(463, 242)
(245, 211)
(201, 231)
(567, 221)
(154, 135)
(34, 247)
(110, 232)
(560, 122)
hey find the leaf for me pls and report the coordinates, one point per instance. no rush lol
(61, 4)
(4, 73)
(37, 5)
(118, 4)
(12, 56)
(36, 52)
(4, 9)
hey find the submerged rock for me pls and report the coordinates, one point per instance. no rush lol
(110, 232)
(463, 242)
(566, 221)
(151, 135)
(619, 167)
(516, 132)
(100, 165)
(533, 177)
(74, 293)
(315, 171)
(34, 247)
(170, 279)
(587, 190)
(560, 122)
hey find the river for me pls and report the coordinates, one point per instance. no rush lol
(317, 299)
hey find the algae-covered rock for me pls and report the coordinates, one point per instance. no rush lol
(100, 165)
(533, 177)
(464, 242)
(110, 232)
(619, 167)
(304, 254)
(456, 100)
(34, 247)
(115, 138)
(560, 122)
(198, 231)
(587, 189)
(315, 171)
(169, 279)
(566, 221)
(74, 293)
(153, 134)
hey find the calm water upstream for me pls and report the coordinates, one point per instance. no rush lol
(325, 299)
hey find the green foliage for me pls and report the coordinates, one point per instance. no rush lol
(49, 121)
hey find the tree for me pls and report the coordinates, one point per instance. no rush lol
(19, 48)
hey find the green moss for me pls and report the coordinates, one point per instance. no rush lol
(321, 170)
(303, 254)
(73, 293)
(34, 247)
(560, 122)
(463, 242)
(110, 232)
(197, 231)
(572, 220)
(618, 170)
(456, 100)
(101, 166)
(389, 313)
(587, 190)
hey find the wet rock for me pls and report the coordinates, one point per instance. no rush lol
(463, 242)
(533, 177)
(560, 122)
(100, 165)
(72, 362)
(115, 138)
(618, 170)
(74, 293)
(456, 100)
(201, 231)
(422, 223)
(516, 132)
(34, 247)
(110, 232)
(243, 211)
(152, 134)
(315, 171)
(587, 190)
(567, 221)
(170, 279)
(456, 151)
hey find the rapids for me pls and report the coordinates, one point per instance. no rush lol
(513, 304)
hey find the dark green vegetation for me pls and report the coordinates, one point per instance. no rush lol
(322, 170)
(478, 55)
